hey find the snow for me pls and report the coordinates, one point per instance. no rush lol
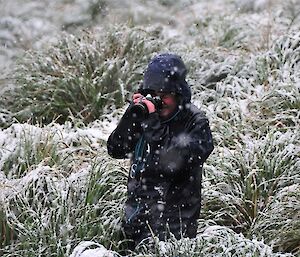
(243, 58)
(82, 251)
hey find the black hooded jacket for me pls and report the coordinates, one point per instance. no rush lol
(164, 183)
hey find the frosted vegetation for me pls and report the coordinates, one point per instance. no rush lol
(68, 68)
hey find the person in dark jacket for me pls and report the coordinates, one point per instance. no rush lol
(167, 145)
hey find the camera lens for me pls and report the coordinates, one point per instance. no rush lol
(139, 111)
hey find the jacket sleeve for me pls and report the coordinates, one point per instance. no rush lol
(122, 141)
(189, 149)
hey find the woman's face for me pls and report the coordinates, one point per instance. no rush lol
(169, 104)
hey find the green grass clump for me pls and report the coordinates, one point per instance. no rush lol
(58, 187)
(281, 62)
(32, 147)
(242, 184)
(25, 147)
(81, 76)
(57, 191)
(277, 107)
(214, 241)
(7, 234)
(279, 224)
(52, 213)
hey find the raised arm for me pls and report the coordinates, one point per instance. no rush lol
(122, 140)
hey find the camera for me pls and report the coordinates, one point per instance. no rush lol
(140, 110)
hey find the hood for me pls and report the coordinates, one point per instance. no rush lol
(166, 73)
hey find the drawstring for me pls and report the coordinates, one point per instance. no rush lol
(138, 163)
(133, 214)
(165, 121)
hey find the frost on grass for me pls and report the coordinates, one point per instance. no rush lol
(24, 146)
(79, 195)
(216, 241)
(91, 249)
(242, 188)
(58, 187)
(282, 214)
(213, 240)
(81, 76)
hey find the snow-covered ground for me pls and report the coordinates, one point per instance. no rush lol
(62, 195)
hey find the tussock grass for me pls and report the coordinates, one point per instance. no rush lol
(25, 147)
(63, 194)
(31, 148)
(80, 76)
(57, 211)
(279, 224)
(211, 241)
(59, 188)
(243, 183)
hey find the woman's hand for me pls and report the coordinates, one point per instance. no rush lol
(139, 98)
